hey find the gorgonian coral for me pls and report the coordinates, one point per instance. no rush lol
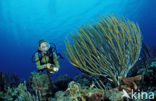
(109, 47)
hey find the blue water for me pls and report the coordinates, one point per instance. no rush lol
(24, 22)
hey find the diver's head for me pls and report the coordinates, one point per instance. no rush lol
(44, 46)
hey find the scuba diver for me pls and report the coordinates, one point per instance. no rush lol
(46, 58)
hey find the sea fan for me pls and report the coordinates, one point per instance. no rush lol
(109, 47)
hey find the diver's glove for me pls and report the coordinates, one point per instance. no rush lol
(48, 65)
(56, 69)
(52, 68)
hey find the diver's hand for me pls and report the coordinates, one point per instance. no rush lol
(48, 65)
(56, 69)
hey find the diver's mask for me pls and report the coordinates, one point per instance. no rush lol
(44, 46)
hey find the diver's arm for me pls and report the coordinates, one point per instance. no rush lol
(41, 67)
(56, 62)
(38, 64)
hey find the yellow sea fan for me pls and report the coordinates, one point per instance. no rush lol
(109, 47)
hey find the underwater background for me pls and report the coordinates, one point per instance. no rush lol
(24, 22)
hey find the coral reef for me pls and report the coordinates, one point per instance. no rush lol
(148, 77)
(61, 82)
(109, 48)
(23, 94)
(147, 68)
(8, 80)
(84, 79)
(85, 90)
(130, 82)
(18, 94)
(77, 93)
(114, 95)
(41, 84)
(41, 89)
